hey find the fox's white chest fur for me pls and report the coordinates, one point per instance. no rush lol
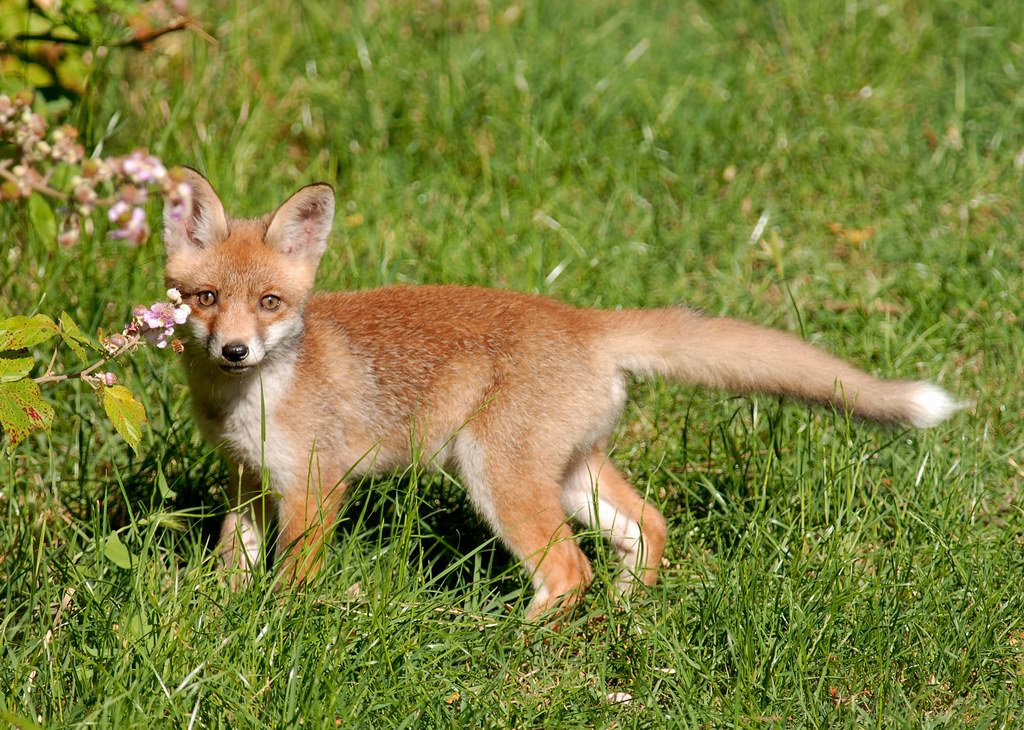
(242, 414)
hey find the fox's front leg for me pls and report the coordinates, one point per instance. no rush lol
(244, 527)
(306, 513)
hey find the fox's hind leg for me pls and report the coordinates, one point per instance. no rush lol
(521, 503)
(596, 494)
(539, 535)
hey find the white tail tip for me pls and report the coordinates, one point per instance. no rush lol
(930, 405)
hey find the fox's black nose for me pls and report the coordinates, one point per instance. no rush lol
(235, 351)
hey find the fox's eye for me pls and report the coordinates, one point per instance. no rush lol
(270, 302)
(206, 298)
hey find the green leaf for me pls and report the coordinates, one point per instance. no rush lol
(23, 410)
(161, 482)
(19, 332)
(43, 220)
(116, 552)
(127, 413)
(15, 368)
(74, 337)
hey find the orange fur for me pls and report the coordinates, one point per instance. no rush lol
(519, 393)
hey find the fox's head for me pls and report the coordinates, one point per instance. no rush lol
(247, 281)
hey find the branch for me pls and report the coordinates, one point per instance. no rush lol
(80, 375)
(140, 40)
(40, 187)
(50, 377)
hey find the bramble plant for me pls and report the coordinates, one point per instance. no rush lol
(53, 166)
(45, 163)
(22, 408)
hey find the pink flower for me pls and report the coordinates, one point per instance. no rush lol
(159, 337)
(114, 342)
(157, 321)
(26, 179)
(133, 195)
(159, 315)
(178, 195)
(85, 196)
(141, 167)
(30, 131)
(64, 148)
(118, 212)
(131, 222)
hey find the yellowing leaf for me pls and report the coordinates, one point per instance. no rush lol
(19, 332)
(14, 368)
(127, 414)
(23, 410)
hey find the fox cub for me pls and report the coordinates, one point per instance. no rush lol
(518, 393)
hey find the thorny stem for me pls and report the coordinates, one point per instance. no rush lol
(46, 189)
(53, 360)
(50, 377)
(41, 187)
(140, 39)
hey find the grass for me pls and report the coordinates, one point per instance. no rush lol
(822, 573)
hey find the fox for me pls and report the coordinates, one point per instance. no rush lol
(519, 394)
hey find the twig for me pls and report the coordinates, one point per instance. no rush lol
(139, 41)
(41, 187)
(53, 361)
(50, 377)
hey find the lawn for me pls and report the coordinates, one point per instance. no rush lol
(852, 172)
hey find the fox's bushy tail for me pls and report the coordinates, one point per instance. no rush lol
(746, 358)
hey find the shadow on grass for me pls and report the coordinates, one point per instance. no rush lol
(428, 518)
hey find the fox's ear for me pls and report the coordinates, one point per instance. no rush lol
(202, 225)
(302, 225)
